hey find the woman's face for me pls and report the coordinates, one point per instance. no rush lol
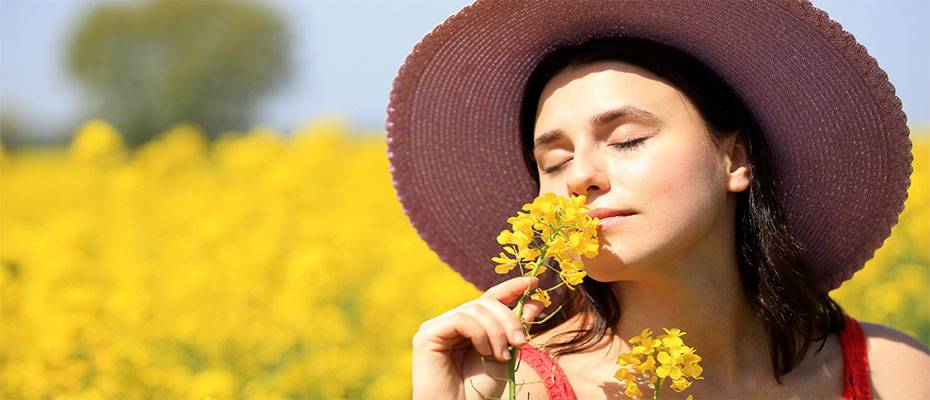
(631, 142)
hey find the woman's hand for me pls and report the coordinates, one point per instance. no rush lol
(446, 348)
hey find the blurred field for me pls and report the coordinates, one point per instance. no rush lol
(263, 267)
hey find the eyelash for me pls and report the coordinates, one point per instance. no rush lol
(628, 145)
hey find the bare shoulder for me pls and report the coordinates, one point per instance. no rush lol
(899, 364)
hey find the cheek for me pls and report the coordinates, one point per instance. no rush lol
(681, 182)
(674, 188)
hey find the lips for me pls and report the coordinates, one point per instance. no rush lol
(608, 217)
(604, 213)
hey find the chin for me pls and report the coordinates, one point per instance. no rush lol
(608, 265)
(620, 262)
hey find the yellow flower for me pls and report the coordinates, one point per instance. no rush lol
(680, 384)
(646, 343)
(219, 190)
(690, 360)
(527, 254)
(672, 338)
(574, 278)
(557, 248)
(670, 365)
(677, 361)
(628, 359)
(590, 248)
(543, 208)
(632, 390)
(693, 370)
(642, 335)
(571, 272)
(541, 295)
(518, 238)
(648, 366)
(530, 266)
(622, 374)
(95, 140)
(543, 229)
(554, 229)
(505, 264)
(558, 226)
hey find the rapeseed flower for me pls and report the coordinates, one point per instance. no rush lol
(676, 362)
(105, 249)
(555, 229)
(541, 296)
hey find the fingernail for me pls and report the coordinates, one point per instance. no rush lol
(519, 336)
(506, 355)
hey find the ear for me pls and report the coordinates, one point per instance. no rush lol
(736, 163)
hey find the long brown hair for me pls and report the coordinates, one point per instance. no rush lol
(778, 284)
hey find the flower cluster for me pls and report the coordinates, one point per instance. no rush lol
(554, 231)
(555, 228)
(675, 361)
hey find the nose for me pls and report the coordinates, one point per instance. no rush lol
(587, 175)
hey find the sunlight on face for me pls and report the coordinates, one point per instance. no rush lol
(629, 141)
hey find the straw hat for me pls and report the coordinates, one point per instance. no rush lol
(829, 114)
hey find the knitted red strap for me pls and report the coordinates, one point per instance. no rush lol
(855, 362)
(557, 385)
(852, 340)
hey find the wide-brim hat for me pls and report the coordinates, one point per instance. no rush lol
(836, 130)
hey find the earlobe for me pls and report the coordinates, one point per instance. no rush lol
(738, 180)
(737, 164)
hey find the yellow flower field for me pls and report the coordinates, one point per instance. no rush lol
(262, 266)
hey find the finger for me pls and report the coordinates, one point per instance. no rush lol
(531, 310)
(451, 330)
(508, 319)
(469, 326)
(511, 289)
(494, 331)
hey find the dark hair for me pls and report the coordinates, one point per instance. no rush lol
(778, 284)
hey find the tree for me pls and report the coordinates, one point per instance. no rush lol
(13, 131)
(151, 65)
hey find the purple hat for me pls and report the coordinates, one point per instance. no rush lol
(836, 130)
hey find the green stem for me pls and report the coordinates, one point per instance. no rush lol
(555, 287)
(512, 363)
(548, 317)
(655, 394)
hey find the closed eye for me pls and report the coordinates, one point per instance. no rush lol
(623, 146)
(629, 144)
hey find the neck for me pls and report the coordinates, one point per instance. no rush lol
(700, 292)
(722, 328)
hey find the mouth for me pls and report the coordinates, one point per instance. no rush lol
(610, 217)
(607, 223)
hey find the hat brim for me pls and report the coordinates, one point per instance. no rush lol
(836, 129)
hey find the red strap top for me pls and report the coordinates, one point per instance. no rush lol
(855, 366)
(855, 361)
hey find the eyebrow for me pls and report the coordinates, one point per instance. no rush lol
(606, 117)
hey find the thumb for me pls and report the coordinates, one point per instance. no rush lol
(509, 290)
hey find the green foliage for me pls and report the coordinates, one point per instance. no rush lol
(149, 65)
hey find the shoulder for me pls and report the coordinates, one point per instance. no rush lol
(899, 364)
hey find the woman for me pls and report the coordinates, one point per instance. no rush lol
(730, 224)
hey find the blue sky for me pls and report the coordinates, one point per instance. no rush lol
(348, 51)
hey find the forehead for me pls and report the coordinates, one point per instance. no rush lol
(592, 88)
